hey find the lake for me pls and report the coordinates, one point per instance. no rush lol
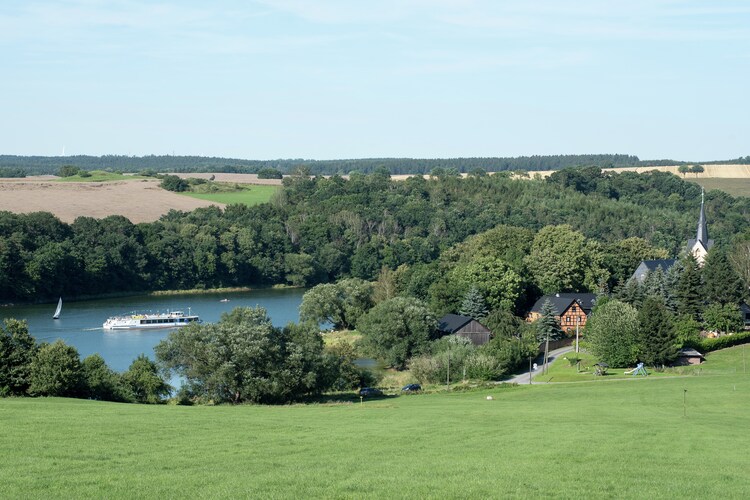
(80, 323)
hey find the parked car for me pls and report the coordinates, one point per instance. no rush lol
(412, 388)
(371, 392)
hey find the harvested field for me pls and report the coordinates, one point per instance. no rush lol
(710, 171)
(139, 201)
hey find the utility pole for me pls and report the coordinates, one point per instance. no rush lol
(448, 375)
(529, 369)
(546, 353)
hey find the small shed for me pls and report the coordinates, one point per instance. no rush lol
(689, 356)
(465, 326)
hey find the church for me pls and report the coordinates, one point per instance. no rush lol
(699, 247)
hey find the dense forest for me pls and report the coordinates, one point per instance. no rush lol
(318, 230)
(35, 165)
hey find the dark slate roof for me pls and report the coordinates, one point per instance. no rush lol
(452, 322)
(744, 308)
(653, 265)
(561, 301)
(649, 266)
(689, 352)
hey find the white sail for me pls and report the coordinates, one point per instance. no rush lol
(59, 308)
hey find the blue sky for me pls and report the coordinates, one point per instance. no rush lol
(395, 78)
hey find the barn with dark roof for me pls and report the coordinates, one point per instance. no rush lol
(465, 326)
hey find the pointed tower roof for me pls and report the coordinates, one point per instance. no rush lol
(702, 234)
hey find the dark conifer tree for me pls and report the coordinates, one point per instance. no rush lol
(657, 342)
(474, 304)
(547, 325)
(671, 278)
(722, 283)
(689, 285)
(632, 293)
(654, 285)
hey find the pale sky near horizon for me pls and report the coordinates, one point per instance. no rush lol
(331, 79)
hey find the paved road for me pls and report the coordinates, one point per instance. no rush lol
(523, 378)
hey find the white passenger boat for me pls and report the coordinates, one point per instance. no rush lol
(159, 320)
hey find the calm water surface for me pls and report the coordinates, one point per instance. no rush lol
(80, 323)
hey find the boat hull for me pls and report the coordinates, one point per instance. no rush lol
(174, 319)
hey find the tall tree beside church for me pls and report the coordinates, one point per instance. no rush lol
(689, 288)
(657, 336)
(722, 283)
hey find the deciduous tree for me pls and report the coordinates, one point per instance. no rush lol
(612, 333)
(396, 329)
(56, 371)
(17, 351)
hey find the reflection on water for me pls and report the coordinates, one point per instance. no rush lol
(80, 323)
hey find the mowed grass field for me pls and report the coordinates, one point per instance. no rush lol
(735, 187)
(249, 195)
(613, 439)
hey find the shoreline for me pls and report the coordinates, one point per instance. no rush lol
(153, 293)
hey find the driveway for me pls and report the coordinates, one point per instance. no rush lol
(523, 378)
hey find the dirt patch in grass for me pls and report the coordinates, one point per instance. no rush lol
(138, 200)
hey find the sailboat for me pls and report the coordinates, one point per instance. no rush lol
(57, 311)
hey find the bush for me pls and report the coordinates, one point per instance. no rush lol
(68, 171)
(143, 379)
(100, 382)
(269, 173)
(7, 172)
(84, 173)
(174, 183)
(483, 367)
(426, 369)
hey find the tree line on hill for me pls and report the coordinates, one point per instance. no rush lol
(36, 165)
(584, 226)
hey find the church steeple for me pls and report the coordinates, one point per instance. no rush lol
(702, 234)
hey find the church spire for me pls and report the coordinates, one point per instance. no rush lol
(702, 235)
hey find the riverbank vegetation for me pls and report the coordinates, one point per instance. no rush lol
(335, 450)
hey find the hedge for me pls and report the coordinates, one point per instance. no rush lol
(708, 345)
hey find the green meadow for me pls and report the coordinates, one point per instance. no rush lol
(247, 195)
(657, 437)
(101, 176)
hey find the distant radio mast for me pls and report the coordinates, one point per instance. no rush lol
(63, 153)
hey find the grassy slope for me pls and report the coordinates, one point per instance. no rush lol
(250, 195)
(735, 187)
(618, 439)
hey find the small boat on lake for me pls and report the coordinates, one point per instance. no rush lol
(171, 319)
(58, 310)
(224, 300)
